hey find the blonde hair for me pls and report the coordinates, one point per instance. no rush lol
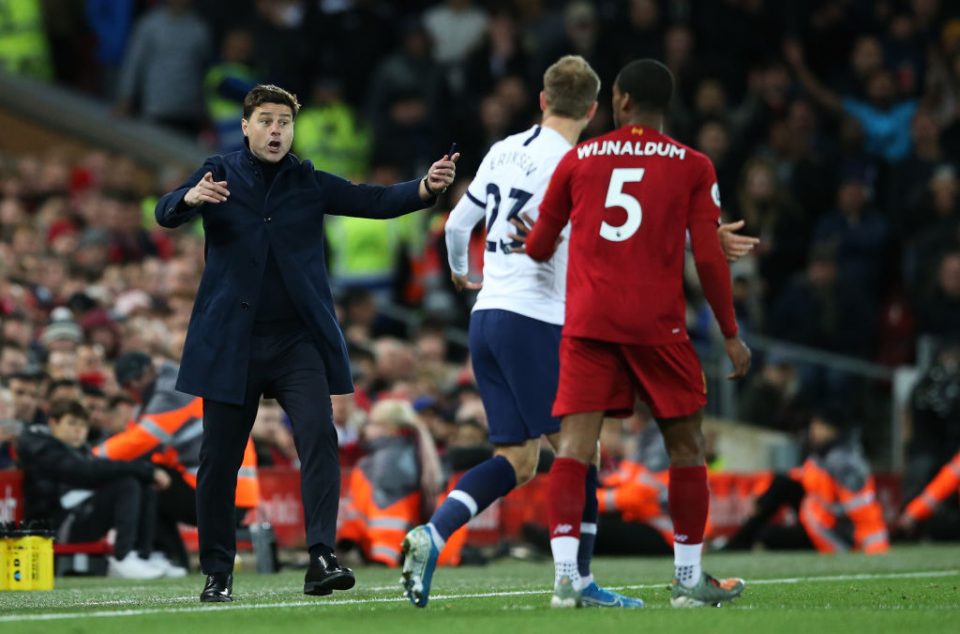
(571, 87)
(393, 411)
(401, 414)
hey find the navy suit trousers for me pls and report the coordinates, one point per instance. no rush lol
(288, 367)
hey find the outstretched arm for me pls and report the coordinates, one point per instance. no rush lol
(793, 51)
(344, 198)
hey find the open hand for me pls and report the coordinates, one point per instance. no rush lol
(734, 245)
(524, 225)
(207, 191)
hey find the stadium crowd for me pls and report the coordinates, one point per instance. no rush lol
(834, 127)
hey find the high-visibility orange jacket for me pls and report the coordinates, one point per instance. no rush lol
(943, 485)
(169, 428)
(639, 495)
(840, 510)
(383, 500)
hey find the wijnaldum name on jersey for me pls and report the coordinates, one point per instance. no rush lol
(630, 148)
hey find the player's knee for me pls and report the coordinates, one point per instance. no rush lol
(523, 460)
(687, 450)
(579, 449)
(525, 472)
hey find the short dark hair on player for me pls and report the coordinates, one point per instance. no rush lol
(68, 407)
(571, 87)
(268, 93)
(649, 84)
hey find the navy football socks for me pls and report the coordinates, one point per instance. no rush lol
(588, 523)
(477, 489)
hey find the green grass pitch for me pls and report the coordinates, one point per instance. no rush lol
(913, 589)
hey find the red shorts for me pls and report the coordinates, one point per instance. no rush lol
(604, 376)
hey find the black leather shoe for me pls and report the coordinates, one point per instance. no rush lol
(325, 575)
(218, 588)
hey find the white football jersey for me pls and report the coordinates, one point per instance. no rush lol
(511, 180)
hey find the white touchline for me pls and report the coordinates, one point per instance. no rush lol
(59, 616)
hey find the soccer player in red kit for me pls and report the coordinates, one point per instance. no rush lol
(631, 197)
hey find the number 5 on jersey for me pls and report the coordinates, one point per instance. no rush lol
(616, 197)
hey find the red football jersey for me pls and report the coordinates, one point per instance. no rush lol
(631, 196)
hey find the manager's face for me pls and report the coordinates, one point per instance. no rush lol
(269, 131)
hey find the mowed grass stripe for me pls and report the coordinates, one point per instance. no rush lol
(15, 618)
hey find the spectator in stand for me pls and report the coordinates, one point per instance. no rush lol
(909, 179)
(820, 310)
(162, 74)
(409, 70)
(330, 134)
(938, 312)
(773, 216)
(25, 389)
(280, 43)
(501, 54)
(640, 34)
(64, 390)
(272, 438)
(13, 359)
(226, 84)
(935, 420)
(769, 400)
(884, 117)
(457, 28)
(85, 496)
(860, 236)
(10, 429)
(938, 215)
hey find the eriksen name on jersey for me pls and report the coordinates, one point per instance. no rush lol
(519, 159)
(630, 148)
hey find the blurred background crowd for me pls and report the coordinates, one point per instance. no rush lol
(834, 126)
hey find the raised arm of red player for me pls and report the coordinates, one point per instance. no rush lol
(554, 212)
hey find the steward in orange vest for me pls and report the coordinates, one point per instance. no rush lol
(833, 495)
(391, 485)
(936, 508)
(167, 427)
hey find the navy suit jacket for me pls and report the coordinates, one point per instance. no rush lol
(288, 219)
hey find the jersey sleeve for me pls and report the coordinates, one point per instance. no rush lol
(702, 223)
(460, 224)
(554, 211)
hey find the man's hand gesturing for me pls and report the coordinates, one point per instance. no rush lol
(439, 176)
(207, 191)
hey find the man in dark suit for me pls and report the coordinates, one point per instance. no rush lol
(263, 321)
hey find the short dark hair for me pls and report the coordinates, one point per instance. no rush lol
(57, 384)
(268, 93)
(67, 407)
(25, 377)
(130, 366)
(649, 84)
(119, 398)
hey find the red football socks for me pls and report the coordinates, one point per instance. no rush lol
(567, 495)
(689, 502)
